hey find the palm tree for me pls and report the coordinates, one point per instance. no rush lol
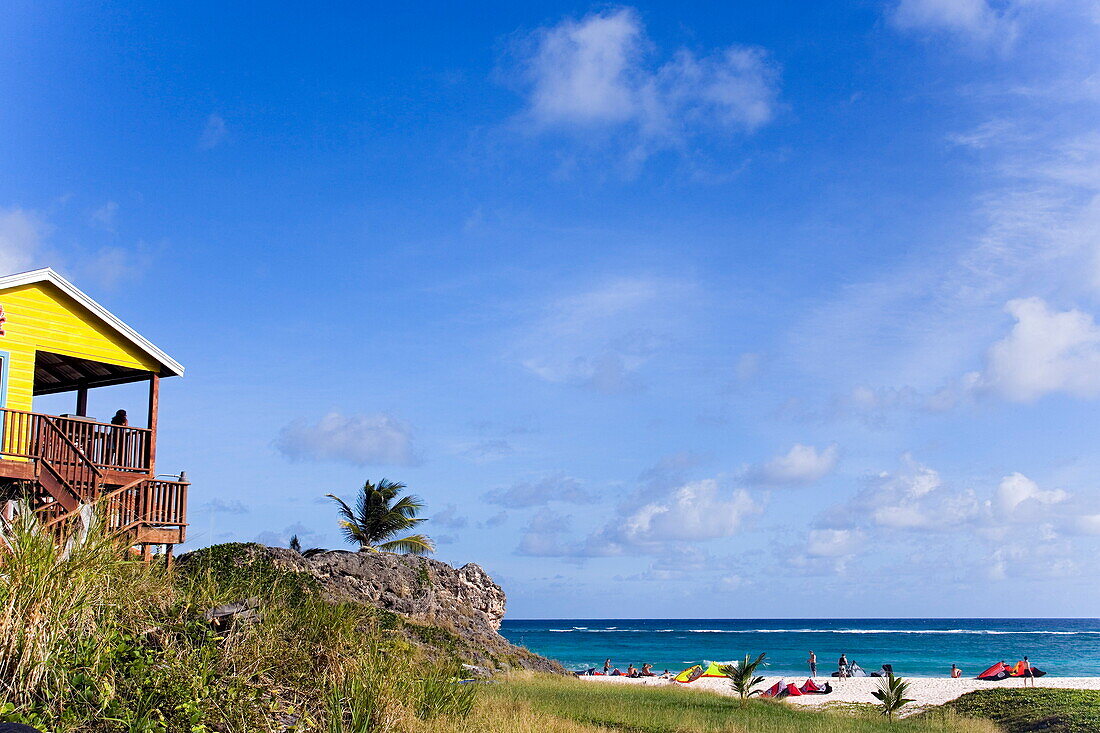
(296, 545)
(891, 694)
(376, 518)
(743, 676)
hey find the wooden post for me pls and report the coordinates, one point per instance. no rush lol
(146, 554)
(168, 552)
(154, 406)
(82, 401)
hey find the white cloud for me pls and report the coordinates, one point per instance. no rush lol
(1017, 490)
(832, 542)
(213, 132)
(582, 71)
(801, 465)
(975, 19)
(112, 266)
(600, 338)
(523, 494)
(1046, 351)
(543, 536)
(1088, 524)
(595, 73)
(357, 439)
(693, 512)
(21, 234)
(104, 217)
(450, 518)
(912, 497)
(653, 520)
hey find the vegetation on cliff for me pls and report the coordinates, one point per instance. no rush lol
(93, 641)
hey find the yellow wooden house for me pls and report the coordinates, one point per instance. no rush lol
(54, 338)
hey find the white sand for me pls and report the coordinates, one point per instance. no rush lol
(925, 691)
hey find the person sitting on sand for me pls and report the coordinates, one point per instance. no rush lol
(956, 673)
(617, 673)
(1028, 674)
(631, 671)
(647, 670)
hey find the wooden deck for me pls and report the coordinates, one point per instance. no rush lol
(70, 462)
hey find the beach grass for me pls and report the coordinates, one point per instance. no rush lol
(1034, 709)
(642, 709)
(91, 641)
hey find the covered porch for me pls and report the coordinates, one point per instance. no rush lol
(80, 459)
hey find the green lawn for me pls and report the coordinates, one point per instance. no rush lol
(639, 709)
(1037, 709)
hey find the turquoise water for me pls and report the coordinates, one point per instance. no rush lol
(917, 647)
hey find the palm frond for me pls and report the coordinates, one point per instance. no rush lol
(414, 544)
(345, 510)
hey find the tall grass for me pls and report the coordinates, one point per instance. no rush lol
(55, 601)
(91, 640)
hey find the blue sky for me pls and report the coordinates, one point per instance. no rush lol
(681, 309)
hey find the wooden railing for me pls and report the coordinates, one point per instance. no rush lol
(67, 461)
(152, 502)
(108, 447)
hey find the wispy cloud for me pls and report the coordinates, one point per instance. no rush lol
(976, 20)
(915, 335)
(555, 488)
(600, 73)
(650, 521)
(357, 439)
(213, 132)
(450, 518)
(104, 216)
(223, 506)
(21, 235)
(601, 338)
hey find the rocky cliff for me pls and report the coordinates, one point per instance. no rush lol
(443, 610)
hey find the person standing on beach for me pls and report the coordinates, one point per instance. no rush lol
(607, 666)
(843, 665)
(1028, 674)
(813, 665)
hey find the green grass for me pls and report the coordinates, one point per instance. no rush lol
(1034, 709)
(95, 642)
(640, 709)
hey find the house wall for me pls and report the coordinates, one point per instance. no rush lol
(42, 318)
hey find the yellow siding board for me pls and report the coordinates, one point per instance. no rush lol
(42, 318)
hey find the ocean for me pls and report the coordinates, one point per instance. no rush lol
(915, 647)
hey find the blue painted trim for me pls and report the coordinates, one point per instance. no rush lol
(5, 363)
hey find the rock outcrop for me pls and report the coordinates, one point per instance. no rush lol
(460, 609)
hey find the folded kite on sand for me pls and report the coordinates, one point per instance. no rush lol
(1001, 671)
(690, 674)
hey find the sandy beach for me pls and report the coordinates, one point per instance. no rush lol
(926, 691)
